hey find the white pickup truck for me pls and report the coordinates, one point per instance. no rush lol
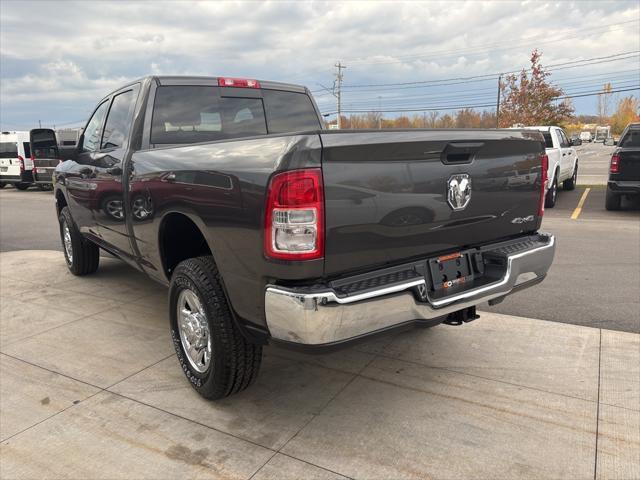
(563, 162)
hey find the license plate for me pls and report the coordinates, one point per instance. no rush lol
(450, 271)
(4, 169)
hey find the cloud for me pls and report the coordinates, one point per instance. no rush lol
(70, 54)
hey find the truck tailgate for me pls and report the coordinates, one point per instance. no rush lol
(386, 192)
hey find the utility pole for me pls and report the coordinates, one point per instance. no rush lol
(39, 123)
(379, 113)
(498, 103)
(337, 90)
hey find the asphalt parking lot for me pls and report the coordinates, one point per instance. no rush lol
(90, 387)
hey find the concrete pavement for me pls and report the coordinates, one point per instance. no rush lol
(91, 389)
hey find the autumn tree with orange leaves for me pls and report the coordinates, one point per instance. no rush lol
(529, 98)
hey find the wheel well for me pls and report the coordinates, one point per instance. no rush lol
(179, 240)
(61, 202)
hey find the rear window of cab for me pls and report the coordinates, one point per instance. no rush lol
(192, 114)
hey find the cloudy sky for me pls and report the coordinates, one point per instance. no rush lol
(58, 58)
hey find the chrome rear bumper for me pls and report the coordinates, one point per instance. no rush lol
(319, 317)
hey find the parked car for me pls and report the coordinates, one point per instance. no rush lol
(575, 140)
(16, 166)
(267, 228)
(563, 162)
(586, 136)
(44, 155)
(624, 169)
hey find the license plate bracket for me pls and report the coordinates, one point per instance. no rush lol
(450, 271)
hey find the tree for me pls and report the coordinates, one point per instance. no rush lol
(627, 112)
(531, 99)
(604, 103)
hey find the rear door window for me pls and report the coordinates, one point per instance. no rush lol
(8, 150)
(27, 149)
(118, 124)
(192, 114)
(548, 141)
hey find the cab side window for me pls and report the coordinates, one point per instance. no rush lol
(118, 124)
(564, 141)
(92, 133)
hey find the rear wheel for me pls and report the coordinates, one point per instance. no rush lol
(570, 184)
(612, 200)
(81, 255)
(216, 359)
(552, 193)
(22, 186)
(2, 185)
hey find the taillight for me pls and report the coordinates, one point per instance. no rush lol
(294, 217)
(614, 167)
(544, 166)
(33, 162)
(21, 160)
(238, 82)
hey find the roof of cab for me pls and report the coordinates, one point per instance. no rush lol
(213, 81)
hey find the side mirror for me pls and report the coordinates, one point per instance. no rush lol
(609, 142)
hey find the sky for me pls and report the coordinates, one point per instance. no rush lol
(57, 58)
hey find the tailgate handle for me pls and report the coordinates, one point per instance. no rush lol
(463, 152)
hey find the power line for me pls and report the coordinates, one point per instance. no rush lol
(493, 75)
(474, 96)
(461, 107)
(361, 96)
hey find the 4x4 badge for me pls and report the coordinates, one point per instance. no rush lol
(459, 191)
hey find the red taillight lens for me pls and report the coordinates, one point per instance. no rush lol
(544, 168)
(294, 218)
(614, 167)
(21, 160)
(238, 82)
(35, 170)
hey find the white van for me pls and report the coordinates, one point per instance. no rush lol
(16, 166)
(586, 136)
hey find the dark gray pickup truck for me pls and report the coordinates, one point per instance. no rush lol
(267, 228)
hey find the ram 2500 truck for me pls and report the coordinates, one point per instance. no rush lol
(267, 228)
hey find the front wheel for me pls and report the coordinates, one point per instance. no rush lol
(612, 201)
(570, 184)
(81, 255)
(216, 359)
(552, 194)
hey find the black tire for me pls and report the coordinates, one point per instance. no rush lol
(85, 255)
(552, 194)
(2, 185)
(44, 187)
(234, 362)
(570, 184)
(612, 200)
(22, 186)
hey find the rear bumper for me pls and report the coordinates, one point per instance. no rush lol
(24, 177)
(323, 317)
(627, 187)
